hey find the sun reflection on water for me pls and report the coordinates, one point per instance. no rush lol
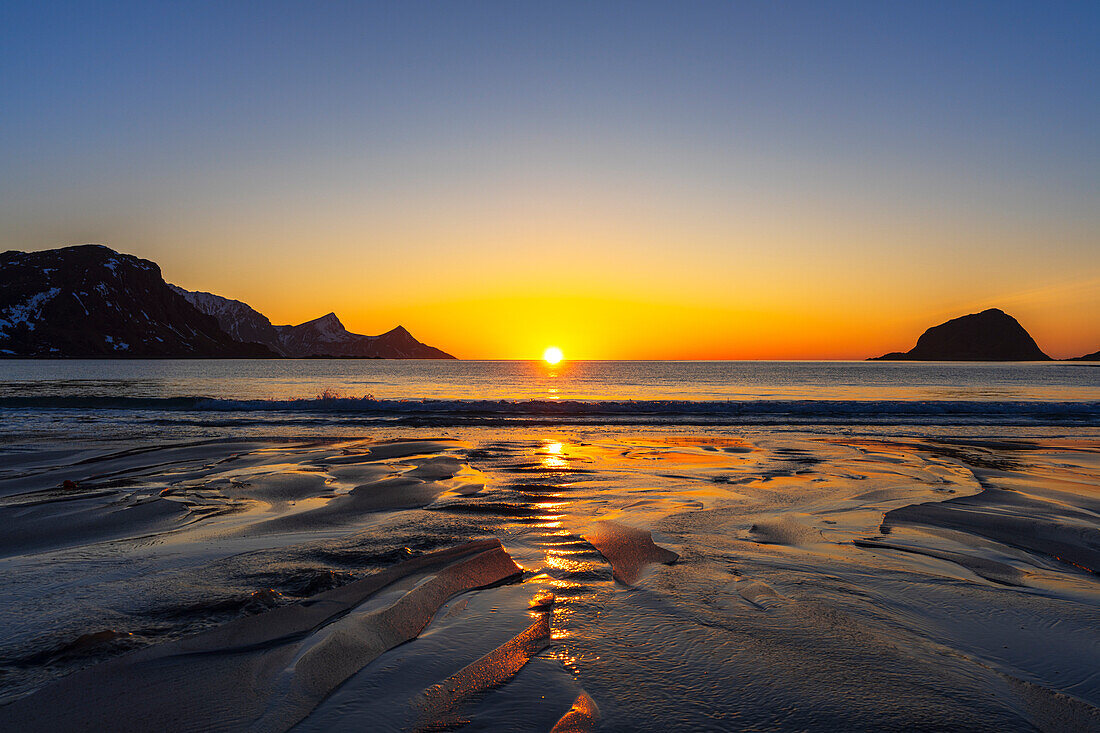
(553, 457)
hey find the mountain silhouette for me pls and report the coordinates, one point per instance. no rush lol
(991, 335)
(321, 337)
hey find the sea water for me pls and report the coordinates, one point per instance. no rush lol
(204, 398)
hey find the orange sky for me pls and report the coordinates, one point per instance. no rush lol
(658, 266)
(650, 267)
(601, 298)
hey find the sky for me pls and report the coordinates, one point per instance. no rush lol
(742, 180)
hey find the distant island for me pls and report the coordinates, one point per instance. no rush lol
(991, 335)
(89, 301)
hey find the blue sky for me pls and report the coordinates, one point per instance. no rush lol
(946, 151)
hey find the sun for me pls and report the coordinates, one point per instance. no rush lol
(552, 355)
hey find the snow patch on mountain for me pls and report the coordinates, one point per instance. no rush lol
(27, 313)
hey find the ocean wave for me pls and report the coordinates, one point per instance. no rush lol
(619, 411)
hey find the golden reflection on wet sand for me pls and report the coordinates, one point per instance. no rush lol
(784, 545)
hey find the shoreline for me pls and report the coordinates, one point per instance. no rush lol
(782, 540)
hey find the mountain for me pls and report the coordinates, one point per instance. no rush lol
(237, 319)
(991, 335)
(90, 301)
(1094, 356)
(324, 336)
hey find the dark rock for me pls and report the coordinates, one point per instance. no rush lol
(991, 335)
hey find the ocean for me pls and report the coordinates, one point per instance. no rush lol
(347, 545)
(207, 398)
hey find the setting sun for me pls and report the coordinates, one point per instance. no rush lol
(552, 355)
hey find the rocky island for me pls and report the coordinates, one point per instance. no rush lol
(991, 335)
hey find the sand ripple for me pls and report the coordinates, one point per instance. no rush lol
(629, 550)
(268, 671)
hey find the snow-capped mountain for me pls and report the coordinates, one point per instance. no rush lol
(237, 319)
(324, 336)
(90, 301)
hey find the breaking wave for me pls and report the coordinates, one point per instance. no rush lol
(733, 412)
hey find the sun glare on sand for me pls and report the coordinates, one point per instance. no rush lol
(552, 355)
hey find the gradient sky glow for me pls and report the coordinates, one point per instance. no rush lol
(623, 180)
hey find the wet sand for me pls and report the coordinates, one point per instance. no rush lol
(564, 579)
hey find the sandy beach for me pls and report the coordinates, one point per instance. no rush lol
(490, 578)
